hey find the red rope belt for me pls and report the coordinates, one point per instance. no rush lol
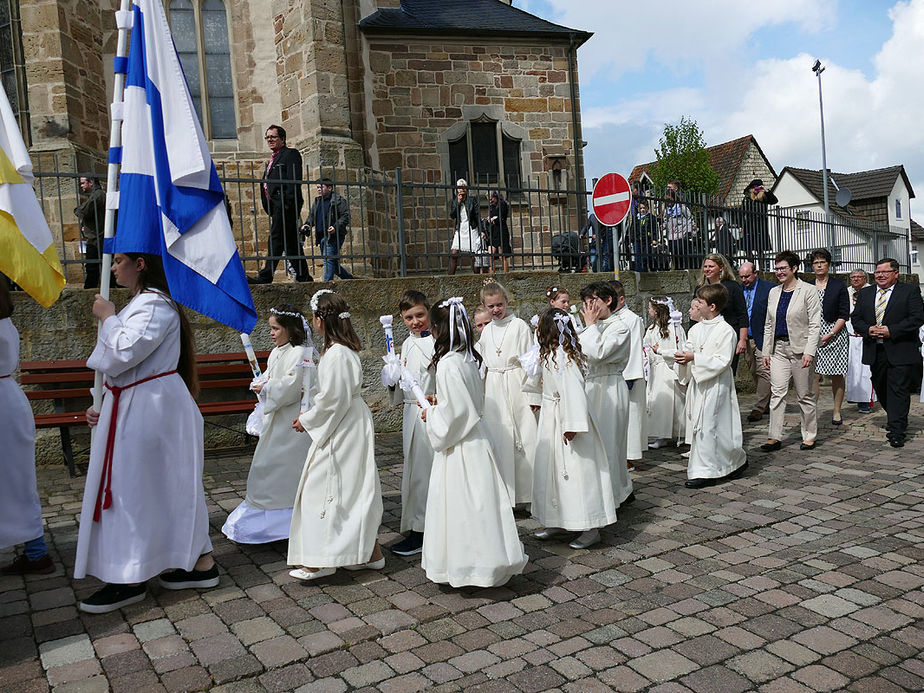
(104, 495)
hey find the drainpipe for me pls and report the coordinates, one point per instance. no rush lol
(576, 128)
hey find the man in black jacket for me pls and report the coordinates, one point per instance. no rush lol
(888, 317)
(91, 213)
(283, 202)
(330, 218)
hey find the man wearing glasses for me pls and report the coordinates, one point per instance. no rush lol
(282, 200)
(888, 316)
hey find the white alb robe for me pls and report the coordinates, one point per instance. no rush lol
(20, 508)
(713, 418)
(416, 355)
(637, 440)
(572, 487)
(859, 377)
(511, 423)
(471, 536)
(266, 511)
(606, 346)
(666, 396)
(158, 520)
(338, 505)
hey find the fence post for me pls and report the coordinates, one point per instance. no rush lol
(399, 210)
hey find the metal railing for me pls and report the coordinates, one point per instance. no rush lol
(401, 226)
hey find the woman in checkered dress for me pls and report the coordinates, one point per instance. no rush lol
(833, 349)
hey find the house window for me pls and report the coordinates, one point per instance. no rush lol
(486, 155)
(200, 33)
(12, 65)
(898, 209)
(915, 259)
(803, 219)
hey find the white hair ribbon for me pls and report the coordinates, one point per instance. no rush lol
(457, 319)
(564, 325)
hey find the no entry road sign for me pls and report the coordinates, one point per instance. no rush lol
(611, 199)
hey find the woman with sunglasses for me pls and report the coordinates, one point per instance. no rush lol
(791, 335)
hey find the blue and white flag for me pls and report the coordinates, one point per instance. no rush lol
(170, 199)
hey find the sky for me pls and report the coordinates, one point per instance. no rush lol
(742, 68)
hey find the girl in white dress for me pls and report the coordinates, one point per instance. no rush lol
(605, 343)
(416, 356)
(511, 422)
(572, 488)
(266, 511)
(338, 504)
(471, 536)
(666, 396)
(713, 418)
(144, 505)
(20, 508)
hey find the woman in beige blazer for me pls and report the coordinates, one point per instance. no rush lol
(791, 334)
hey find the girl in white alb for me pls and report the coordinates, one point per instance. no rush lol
(572, 489)
(666, 396)
(511, 422)
(338, 504)
(20, 508)
(144, 505)
(266, 511)
(471, 536)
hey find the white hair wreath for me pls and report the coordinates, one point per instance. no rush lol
(317, 295)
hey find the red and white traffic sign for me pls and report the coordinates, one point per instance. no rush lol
(611, 199)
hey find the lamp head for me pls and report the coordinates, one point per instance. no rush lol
(818, 68)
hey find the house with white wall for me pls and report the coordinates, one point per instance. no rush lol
(870, 214)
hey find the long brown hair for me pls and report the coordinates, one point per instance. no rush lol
(548, 336)
(443, 329)
(337, 330)
(152, 279)
(662, 314)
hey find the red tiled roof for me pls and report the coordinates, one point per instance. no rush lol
(725, 158)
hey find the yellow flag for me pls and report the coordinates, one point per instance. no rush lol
(27, 251)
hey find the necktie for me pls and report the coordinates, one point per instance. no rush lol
(880, 305)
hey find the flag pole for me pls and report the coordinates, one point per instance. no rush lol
(123, 18)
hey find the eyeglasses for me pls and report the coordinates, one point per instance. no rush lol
(272, 137)
(782, 269)
(882, 272)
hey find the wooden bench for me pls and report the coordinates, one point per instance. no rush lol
(67, 384)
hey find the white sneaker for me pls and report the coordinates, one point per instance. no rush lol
(306, 575)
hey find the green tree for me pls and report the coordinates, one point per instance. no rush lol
(682, 156)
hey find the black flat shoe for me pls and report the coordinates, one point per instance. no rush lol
(837, 422)
(738, 473)
(629, 499)
(770, 447)
(896, 442)
(699, 483)
(806, 446)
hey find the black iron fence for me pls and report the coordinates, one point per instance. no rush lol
(402, 225)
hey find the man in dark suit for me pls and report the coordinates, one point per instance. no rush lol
(756, 291)
(283, 202)
(888, 316)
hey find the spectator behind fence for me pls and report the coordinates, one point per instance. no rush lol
(330, 219)
(499, 237)
(283, 202)
(467, 236)
(754, 223)
(678, 227)
(643, 240)
(725, 242)
(91, 214)
(599, 243)
(832, 356)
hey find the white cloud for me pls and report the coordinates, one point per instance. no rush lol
(869, 121)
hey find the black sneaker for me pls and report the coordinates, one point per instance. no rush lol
(410, 546)
(112, 597)
(189, 579)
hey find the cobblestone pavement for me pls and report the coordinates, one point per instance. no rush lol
(805, 575)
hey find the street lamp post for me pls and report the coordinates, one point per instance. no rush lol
(818, 68)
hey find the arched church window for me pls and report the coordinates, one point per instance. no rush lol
(200, 32)
(485, 155)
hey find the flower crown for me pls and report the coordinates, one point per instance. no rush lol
(290, 313)
(317, 295)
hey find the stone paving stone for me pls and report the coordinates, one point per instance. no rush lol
(759, 666)
(66, 651)
(285, 679)
(75, 671)
(716, 678)
(820, 678)
(281, 650)
(192, 678)
(663, 665)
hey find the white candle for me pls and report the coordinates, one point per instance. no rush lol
(386, 321)
(251, 356)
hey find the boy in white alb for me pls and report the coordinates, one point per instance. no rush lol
(713, 418)
(634, 375)
(416, 355)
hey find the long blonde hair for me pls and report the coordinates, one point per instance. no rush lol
(727, 271)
